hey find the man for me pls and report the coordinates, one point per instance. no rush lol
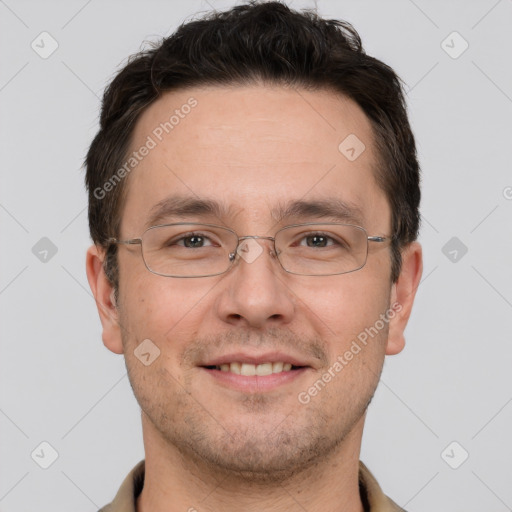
(254, 195)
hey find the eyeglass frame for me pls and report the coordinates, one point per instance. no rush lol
(232, 255)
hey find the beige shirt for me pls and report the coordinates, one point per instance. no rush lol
(374, 500)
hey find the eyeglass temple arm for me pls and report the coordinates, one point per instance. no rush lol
(377, 238)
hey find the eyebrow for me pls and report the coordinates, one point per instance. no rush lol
(330, 209)
(184, 207)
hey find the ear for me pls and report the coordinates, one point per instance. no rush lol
(103, 292)
(402, 296)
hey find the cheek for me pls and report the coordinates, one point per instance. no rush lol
(165, 310)
(343, 305)
(159, 318)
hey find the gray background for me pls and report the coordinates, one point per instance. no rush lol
(452, 382)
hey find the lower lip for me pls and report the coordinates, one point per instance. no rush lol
(256, 383)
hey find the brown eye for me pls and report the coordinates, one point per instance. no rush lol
(316, 241)
(193, 241)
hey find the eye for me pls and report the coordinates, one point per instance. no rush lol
(318, 240)
(192, 241)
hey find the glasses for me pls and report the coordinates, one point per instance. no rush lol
(203, 250)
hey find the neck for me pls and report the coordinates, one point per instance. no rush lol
(175, 482)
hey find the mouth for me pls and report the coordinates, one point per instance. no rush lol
(255, 374)
(250, 370)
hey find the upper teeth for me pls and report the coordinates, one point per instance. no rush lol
(255, 369)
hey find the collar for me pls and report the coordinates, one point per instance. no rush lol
(374, 500)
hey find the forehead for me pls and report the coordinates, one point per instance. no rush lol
(253, 149)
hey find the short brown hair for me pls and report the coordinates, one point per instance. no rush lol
(257, 43)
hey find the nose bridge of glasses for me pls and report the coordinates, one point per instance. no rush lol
(256, 237)
(241, 248)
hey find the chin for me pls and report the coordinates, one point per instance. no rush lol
(261, 452)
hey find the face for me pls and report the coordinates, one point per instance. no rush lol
(254, 150)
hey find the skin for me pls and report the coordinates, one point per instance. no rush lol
(210, 447)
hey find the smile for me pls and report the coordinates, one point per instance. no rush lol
(250, 370)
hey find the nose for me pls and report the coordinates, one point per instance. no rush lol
(255, 292)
